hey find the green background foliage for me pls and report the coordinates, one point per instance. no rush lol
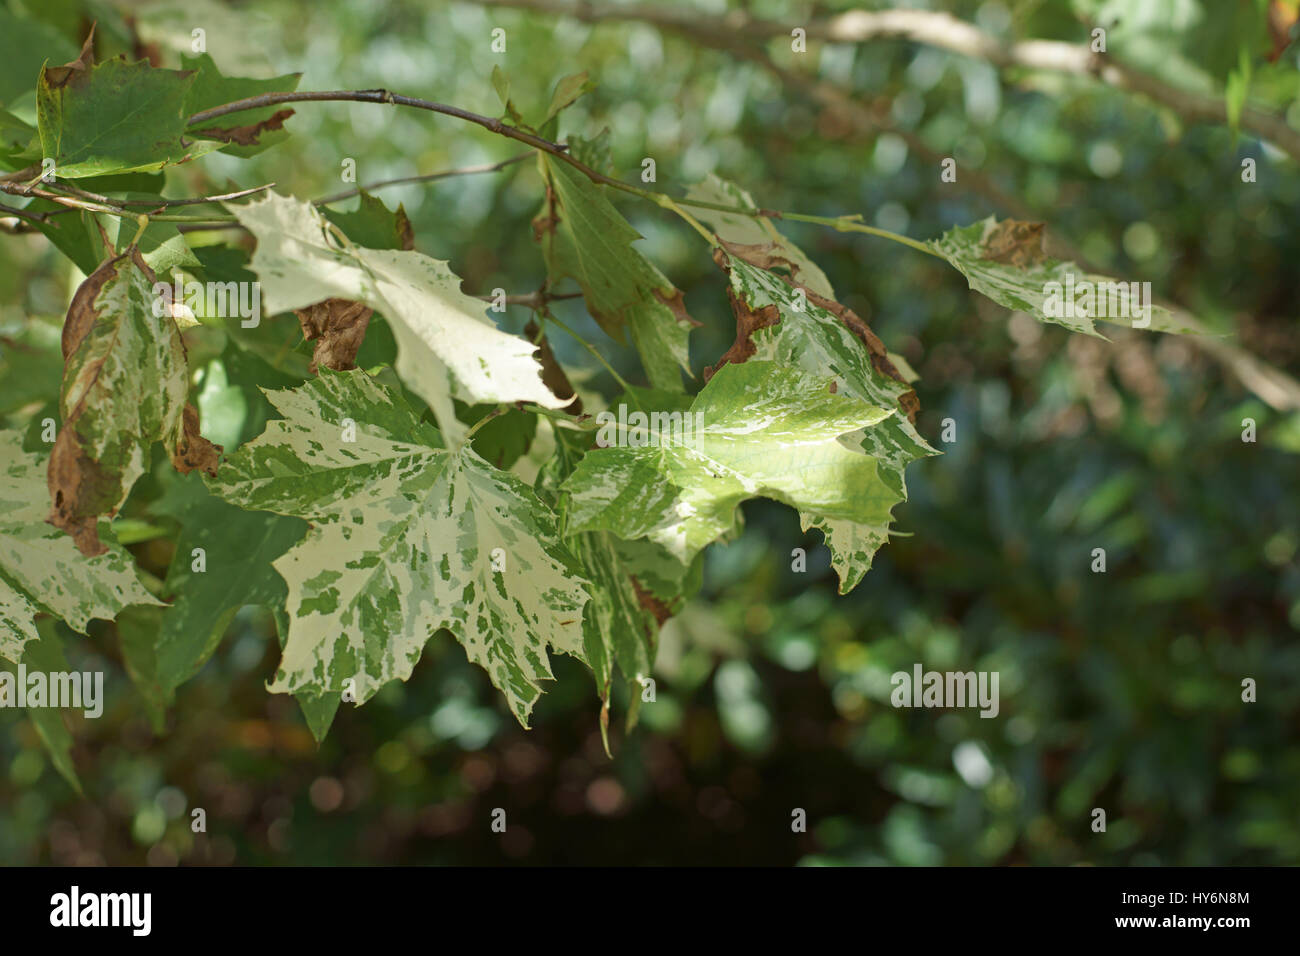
(1118, 690)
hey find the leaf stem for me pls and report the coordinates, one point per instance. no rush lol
(551, 319)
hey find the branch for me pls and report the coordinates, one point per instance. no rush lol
(423, 178)
(71, 190)
(944, 31)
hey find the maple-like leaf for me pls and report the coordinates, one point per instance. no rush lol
(407, 537)
(113, 117)
(248, 131)
(584, 237)
(759, 430)
(756, 234)
(125, 383)
(41, 569)
(1006, 262)
(446, 345)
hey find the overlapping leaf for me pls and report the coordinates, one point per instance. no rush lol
(795, 321)
(447, 347)
(41, 569)
(759, 430)
(584, 237)
(113, 116)
(407, 538)
(248, 131)
(1006, 262)
(125, 383)
(755, 234)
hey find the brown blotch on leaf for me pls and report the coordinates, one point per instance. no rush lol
(1015, 243)
(338, 327)
(676, 304)
(193, 451)
(405, 233)
(553, 376)
(650, 603)
(749, 321)
(763, 255)
(544, 224)
(245, 135)
(80, 490)
(57, 77)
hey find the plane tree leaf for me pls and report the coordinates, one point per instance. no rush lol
(407, 537)
(41, 569)
(113, 117)
(447, 347)
(248, 131)
(125, 383)
(585, 238)
(759, 429)
(1006, 262)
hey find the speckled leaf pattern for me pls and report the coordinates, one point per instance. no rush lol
(811, 337)
(125, 382)
(446, 345)
(1006, 262)
(40, 566)
(766, 430)
(407, 538)
(584, 237)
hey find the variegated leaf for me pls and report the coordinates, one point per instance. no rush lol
(40, 566)
(125, 382)
(446, 345)
(1006, 262)
(408, 537)
(757, 430)
(754, 232)
(794, 325)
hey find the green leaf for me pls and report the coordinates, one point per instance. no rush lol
(756, 430)
(41, 569)
(223, 561)
(46, 655)
(447, 347)
(407, 538)
(73, 232)
(776, 322)
(797, 326)
(374, 225)
(162, 245)
(114, 117)
(125, 384)
(248, 131)
(31, 362)
(1006, 262)
(567, 91)
(584, 237)
(137, 631)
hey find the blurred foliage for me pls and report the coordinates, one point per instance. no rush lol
(1118, 690)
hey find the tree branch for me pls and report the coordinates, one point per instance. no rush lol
(944, 31)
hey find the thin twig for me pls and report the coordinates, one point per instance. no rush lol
(423, 178)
